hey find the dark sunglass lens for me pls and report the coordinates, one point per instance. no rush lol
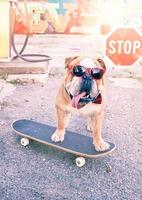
(97, 73)
(78, 70)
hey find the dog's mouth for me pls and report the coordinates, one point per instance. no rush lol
(76, 99)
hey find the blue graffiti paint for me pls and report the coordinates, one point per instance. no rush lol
(61, 10)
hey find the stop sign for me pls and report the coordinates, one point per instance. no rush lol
(124, 46)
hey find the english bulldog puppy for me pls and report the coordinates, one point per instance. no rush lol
(82, 93)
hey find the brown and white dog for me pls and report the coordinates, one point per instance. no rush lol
(82, 92)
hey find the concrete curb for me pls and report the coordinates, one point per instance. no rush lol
(27, 78)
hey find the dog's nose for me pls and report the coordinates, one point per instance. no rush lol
(87, 77)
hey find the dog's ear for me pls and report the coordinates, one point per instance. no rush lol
(68, 60)
(72, 61)
(101, 63)
(102, 81)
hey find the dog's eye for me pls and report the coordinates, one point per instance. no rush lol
(78, 70)
(97, 73)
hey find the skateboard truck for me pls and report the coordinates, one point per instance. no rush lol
(79, 161)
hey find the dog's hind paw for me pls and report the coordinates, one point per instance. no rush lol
(89, 128)
(57, 136)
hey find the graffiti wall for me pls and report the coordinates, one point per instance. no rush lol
(77, 16)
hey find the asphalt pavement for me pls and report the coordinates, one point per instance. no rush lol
(39, 172)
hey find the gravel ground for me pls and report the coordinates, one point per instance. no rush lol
(39, 172)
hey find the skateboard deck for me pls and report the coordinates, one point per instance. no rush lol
(73, 142)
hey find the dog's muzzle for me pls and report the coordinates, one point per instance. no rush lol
(87, 92)
(86, 84)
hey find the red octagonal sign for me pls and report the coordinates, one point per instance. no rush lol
(124, 46)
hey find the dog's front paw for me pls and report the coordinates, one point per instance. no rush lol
(101, 146)
(58, 136)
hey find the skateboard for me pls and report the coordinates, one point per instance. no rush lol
(77, 144)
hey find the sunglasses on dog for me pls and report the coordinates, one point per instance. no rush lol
(80, 70)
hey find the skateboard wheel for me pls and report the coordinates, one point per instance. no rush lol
(80, 161)
(24, 141)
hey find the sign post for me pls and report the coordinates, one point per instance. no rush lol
(124, 46)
